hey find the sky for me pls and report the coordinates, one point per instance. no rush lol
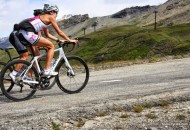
(14, 11)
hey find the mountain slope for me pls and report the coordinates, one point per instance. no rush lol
(172, 12)
(134, 43)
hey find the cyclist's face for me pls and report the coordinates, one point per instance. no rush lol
(55, 14)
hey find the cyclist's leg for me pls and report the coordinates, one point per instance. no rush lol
(35, 50)
(35, 39)
(20, 48)
(27, 38)
(43, 42)
(36, 53)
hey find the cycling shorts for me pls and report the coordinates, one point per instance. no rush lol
(28, 38)
(20, 48)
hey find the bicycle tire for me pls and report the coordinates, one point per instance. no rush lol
(12, 94)
(2, 65)
(80, 79)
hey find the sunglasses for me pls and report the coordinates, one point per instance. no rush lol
(55, 12)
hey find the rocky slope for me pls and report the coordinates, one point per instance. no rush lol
(170, 13)
(132, 12)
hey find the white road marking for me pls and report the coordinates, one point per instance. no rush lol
(111, 81)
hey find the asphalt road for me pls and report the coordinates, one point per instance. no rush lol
(131, 81)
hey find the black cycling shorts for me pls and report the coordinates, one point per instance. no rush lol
(20, 48)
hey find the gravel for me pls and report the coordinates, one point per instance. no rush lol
(142, 108)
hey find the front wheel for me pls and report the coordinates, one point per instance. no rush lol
(70, 83)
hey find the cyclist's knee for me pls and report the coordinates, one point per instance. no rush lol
(51, 46)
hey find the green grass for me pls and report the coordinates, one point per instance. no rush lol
(180, 117)
(129, 43)
(151, 116)
(4, 56)
(80, 123)
(124, 115)
(138, 109)
(101, 114)
(164, 103)
(55, 126)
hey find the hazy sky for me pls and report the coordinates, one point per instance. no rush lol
(14, 11)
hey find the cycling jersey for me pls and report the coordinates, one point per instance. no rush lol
(37, 23)
(34, 24)
(28, 30)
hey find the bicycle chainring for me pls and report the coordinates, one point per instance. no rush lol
(44, 83)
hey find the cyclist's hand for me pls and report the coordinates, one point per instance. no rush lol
(75, 41)
(62, 41)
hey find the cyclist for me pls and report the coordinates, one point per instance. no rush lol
(20, 48)
(28, 33)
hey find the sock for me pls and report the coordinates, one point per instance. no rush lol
(14, 72)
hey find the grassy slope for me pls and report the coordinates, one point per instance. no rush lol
(132, 43)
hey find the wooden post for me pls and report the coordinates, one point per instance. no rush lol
(155, 19)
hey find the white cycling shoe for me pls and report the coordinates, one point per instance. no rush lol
(12, 75)
(49, 73)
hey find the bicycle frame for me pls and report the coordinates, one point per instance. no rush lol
(60, 57)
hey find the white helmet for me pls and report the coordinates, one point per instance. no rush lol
(49, 8)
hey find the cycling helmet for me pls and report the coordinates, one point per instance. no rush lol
(49, 8)
(37, 12)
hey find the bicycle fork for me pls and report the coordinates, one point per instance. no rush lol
(70, 71)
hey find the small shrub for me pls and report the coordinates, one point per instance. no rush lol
(101, 114)
(124, 115)
(147, 105)
(138, 108)
(164, 103)
(153, 60)
(118, 128)
(55, 126)
(180, 117)
(80, 123)
(151, 116)
(118, 109)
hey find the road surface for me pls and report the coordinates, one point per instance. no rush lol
(130, 81)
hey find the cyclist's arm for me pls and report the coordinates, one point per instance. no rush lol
(59, 32)
(46, 31)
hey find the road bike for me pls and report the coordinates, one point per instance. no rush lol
(73, 75)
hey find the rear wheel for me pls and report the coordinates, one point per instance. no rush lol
(68, 82)
(22, 88)
(2, 64)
